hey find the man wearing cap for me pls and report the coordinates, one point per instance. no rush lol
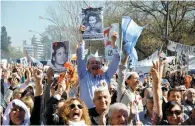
(89, 79)
(128, 94)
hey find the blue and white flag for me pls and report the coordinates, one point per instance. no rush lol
(131, 32)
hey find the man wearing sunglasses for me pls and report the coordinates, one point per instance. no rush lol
(89, 78)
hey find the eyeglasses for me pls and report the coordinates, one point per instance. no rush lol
(74, 105)
(170, 113)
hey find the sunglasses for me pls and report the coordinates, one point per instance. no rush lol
(74, 105)
(170, 113)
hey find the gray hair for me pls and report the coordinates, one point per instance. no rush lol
(101, 89)
(116, 107)
(92, 56)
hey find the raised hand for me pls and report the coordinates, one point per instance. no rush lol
(50, 74)
(102, 119)
(38, 74)
(114, 38)
(82, 28)
(156, 72)
(132, 108)
(61, 87)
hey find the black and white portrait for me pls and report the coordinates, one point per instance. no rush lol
(92, 19)
(59, 56)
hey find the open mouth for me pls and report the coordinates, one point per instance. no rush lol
(95, 68)
(76, 115)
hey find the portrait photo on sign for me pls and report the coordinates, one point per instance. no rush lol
(92, 19)
(59, 55)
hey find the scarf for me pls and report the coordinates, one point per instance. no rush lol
(6, 118)
(81, 123)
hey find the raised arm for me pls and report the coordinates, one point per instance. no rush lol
(121, 80)
(81, 66)
(116, 58)
(156, 72)
(36, 113)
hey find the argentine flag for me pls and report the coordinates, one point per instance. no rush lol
(131, 32)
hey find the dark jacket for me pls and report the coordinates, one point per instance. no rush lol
(50, 116)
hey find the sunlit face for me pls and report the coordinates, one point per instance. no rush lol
(92, 21)
(60, 57)
(93, 66)
(191, 95)
(119, 117)
(174, 96)
(76, 111)
(102, 100)
(112, 89)
(17, 115)
(174, 116)
(134, 81)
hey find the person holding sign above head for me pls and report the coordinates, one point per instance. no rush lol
(89, 77)
(94, 24)
(59, 55)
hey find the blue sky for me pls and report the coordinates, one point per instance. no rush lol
(21, 16)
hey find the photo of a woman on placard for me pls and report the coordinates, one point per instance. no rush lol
(59, 55)
(94, 23)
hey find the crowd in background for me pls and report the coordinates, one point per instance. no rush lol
(87, 95)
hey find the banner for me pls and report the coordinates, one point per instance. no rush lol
(107, 40)
(60, 55)
(24, 61)
(92, 19)
(181, 48)
(182, 62)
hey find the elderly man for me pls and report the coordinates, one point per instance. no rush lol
(89, 79)
(98, 114)
(189, 103)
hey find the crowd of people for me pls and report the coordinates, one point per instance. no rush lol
(87, 95)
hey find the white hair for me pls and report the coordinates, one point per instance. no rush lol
(116, 107)
(128, 74)
(92, 56)
(101, 89)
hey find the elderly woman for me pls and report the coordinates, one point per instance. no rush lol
(17, 113)
(75, 112)
(119, 114)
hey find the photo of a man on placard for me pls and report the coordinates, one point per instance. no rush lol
(93, 22)
(59, 55)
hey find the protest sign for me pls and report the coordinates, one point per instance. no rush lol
(181, 48)
(24, 61)
(59, 55)
(92, 19)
